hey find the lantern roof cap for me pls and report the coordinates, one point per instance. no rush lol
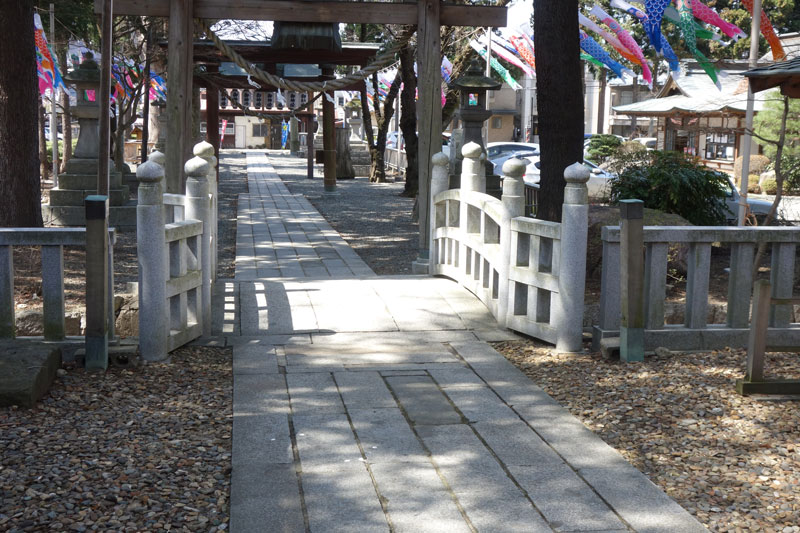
(87, 72)
(474, 79)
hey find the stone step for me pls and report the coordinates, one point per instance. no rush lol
(362, 170)
(87, 181)
(76, 197)
(28, 370)
(123, 217)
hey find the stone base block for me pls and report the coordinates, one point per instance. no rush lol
(87, 181)
(27, 369)
(362, 170)
(76, 197)
(123, 217)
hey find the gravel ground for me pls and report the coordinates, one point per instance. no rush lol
(372, 217)
(144, 449)
(732, 461)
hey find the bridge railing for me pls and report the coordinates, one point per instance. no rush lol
(512, 263)
(175, 238)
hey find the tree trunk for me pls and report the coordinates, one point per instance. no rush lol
(378, 170)
(66, 116)
(559, 99)
(408, 120)
(44, 167)
(601, 104)
(20, 191)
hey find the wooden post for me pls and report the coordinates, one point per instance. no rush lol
(429, 123)
(310, 143)
(212, 121)
(103, 100)
(757, 340)
(97, 281)
(179, 94)
(146, 103)
(631, 331)
(328, 137)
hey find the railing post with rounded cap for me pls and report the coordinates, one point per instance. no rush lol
(152, 258)
(513, 206)
(568, 311)
(198, 207)
(439, 183)
(206, 151)
(472, 178)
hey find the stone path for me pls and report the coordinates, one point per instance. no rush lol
(366, 403)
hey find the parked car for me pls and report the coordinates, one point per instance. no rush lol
(598, 183)
(648, 142)
(47, 135)
(528, 157)
(499, 149)
(759, 208)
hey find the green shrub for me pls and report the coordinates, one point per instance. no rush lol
(769, 186)
(674, 183)
(601, 147)
(758, 164)
(790, 168)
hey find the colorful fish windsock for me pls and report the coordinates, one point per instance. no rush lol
(635, 12)
(626, 39)
(447, 69)
(50, 76)
(525, 52)
(700, 31)
(500, 51)
(652, 26)
(778, 54)
(708, 15)
(591, 25)
(687, 28)
(669, 55)
(593, 48)
(586, 57)
(500, 69)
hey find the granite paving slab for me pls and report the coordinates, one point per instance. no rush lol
(375, 403)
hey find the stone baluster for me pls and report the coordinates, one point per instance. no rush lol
(206, 151)
(472, 172)
(198, 207)
(439, 183)
(152, 257)
(568, 314)
(513, 206)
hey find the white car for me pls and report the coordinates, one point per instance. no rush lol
(496, 150)
(598, 183)
(647, 142)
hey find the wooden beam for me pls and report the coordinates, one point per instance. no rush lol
(323, 11)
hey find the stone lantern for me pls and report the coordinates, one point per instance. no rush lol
(472, 88)
(66, 207)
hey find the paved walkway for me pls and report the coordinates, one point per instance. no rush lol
(366, 403)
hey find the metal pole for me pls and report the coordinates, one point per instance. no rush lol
(103, 99)
(53, 98)
(755, 32)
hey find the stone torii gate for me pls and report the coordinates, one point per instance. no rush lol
(427, 15)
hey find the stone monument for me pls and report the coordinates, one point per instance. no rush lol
(66, 207)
